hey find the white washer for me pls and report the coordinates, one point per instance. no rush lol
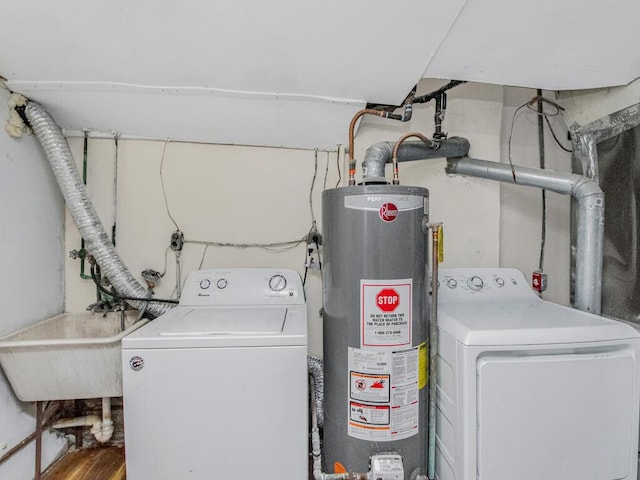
(217, 387)
(528, 389)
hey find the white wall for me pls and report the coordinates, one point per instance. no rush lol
(31, 240)
(260, 195)
(585, 106)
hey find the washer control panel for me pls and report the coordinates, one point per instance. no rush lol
(243, 286)
(461, 285)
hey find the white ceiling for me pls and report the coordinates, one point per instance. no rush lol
(293, 73)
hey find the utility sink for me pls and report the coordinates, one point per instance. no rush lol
(69, 356)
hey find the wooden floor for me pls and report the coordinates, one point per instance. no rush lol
(101, 463)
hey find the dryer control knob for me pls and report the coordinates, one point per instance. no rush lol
(475, 283)
(277, 283)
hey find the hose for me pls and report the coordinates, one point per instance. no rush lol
(84, 215)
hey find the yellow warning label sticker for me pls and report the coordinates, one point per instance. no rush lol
(423, 365)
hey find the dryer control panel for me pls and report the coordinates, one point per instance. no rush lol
(467, 285)
(243, 286)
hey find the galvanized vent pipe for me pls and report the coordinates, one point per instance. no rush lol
(589, 196)
(590, 221)
(378, 154)
(84, 215)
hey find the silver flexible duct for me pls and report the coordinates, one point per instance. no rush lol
(590, 222)
(84, 215)
(316, 370)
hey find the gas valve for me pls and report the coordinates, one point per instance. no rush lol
(386, 467)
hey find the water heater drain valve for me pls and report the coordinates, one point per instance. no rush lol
(386, 467)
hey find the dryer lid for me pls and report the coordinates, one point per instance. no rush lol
(534, 322)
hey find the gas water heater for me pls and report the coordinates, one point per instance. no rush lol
(376, 311)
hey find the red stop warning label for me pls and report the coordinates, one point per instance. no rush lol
(387, 299)
(385, 312)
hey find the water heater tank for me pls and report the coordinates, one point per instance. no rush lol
(375, 325)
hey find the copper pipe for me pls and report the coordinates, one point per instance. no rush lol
(352, 127)
(394, 157)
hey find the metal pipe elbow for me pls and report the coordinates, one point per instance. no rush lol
(586, 187)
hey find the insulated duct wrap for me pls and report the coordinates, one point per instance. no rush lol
(84, 215)
(316, 370)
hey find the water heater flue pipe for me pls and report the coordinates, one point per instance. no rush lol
(378, 154)
(590, 216)
(84, 215)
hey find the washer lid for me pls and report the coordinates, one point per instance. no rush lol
(535, 322)
(223, 327)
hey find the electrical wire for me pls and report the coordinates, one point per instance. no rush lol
(204, 254)
(536, 104)
(513, 121)
(313, 183)
(557, 112)
(178, 274)
(164, 191)
(338, 166)
(164, 269)
(274, 247)
(326, 173)
(555, 137)
(312, 235)
(116, 137)
(541, 153)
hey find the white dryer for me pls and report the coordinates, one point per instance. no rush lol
(531, 390)
(217, 387)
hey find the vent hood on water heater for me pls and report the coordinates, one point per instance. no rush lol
(291, 73)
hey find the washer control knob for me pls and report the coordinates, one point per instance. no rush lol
(277, 283)
(451, 283)
(222, 283)
(499, 281)
(475, 283)
(205, 283)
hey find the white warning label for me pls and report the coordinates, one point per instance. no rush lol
(385, 312)
(383, 393)
(369, 414)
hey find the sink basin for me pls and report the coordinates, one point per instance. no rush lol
(69, 356)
